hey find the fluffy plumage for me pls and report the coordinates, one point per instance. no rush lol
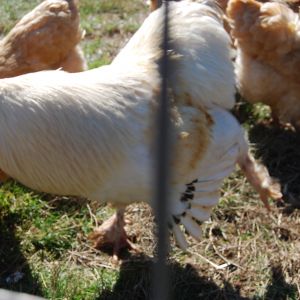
(293, 4)
(268, 56)
(91, 134)
(206, 56)
(45, 38)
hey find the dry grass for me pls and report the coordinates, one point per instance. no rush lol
(246, 253)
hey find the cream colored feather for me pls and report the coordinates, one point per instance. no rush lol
(200, 57)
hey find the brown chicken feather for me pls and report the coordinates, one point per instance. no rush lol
(268, 56)
(293, 4)
(45, 38)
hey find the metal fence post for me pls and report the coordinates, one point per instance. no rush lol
(161, 275)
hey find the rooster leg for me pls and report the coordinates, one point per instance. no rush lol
(260, 179)
(3, 176)
(275, 117)
(112, 234)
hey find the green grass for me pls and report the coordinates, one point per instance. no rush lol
(11, 11)
(44, 238)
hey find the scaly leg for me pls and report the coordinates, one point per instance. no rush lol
(112, 234)
(3, 176)
(260, 179)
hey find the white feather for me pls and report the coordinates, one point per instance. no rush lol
(192, 227)
(179, 237)
(208, 199)
(201, 63)
(200, 213)
(227, 143)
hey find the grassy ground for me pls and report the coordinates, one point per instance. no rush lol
(43, 239)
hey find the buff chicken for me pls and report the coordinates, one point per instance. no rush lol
(91, 134)
(293, 4)
(45, 38)
(268, 56)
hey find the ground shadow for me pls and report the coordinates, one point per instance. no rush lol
(134, 282)
(135, 276)
(15, 273)
(279, 150)
(277, 146)
(279, 289)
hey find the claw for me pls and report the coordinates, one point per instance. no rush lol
(112, 234)
(260, 179)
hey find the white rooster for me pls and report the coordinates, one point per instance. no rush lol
(91, 134)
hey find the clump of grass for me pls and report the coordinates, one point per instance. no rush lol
(11, 11)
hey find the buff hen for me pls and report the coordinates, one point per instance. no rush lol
(45, 38)
(91, 134)
(268, 56)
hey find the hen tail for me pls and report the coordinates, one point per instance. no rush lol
(199, 197)
(194, 208)
(267, 31)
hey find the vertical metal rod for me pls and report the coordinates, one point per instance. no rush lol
(161, 276)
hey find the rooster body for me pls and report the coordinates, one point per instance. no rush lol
(45, 38)
(91, 134)
(77, 142)
(99, 146)
(200, 26)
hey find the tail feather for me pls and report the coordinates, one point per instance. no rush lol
(192, 227)
(194, 208)
(207, 198)
(198, 197)
(200, 212)
(179, 237)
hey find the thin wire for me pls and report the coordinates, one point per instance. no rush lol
(161, 274)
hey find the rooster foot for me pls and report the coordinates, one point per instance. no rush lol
(260, 179)
(112, 234)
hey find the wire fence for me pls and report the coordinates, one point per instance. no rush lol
(163, 147)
